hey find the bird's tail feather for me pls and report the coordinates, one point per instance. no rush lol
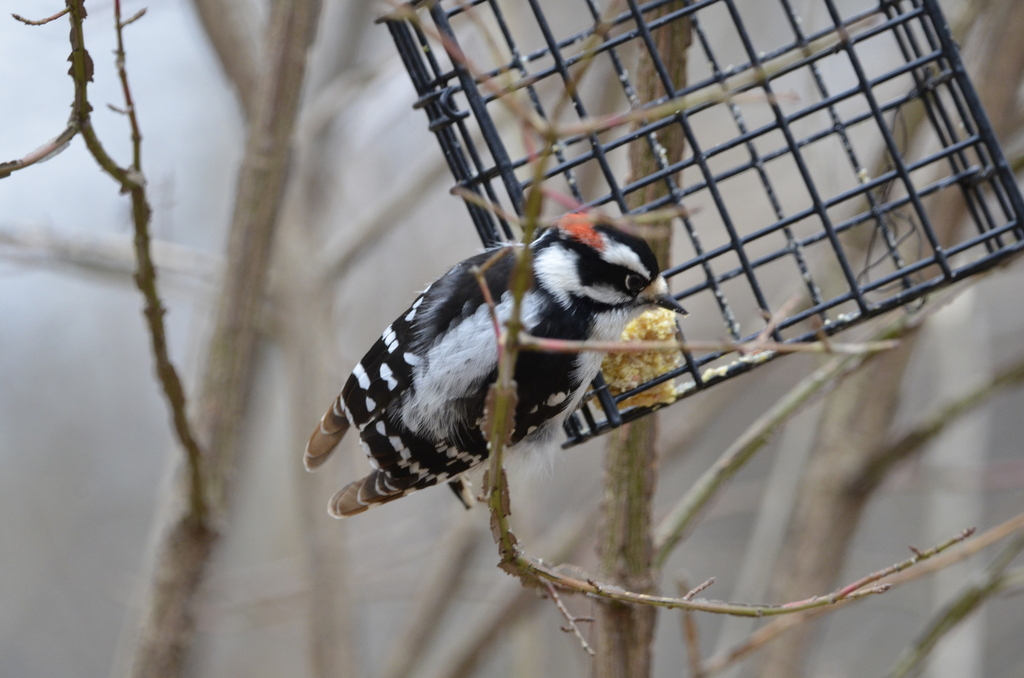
(326, 437)
(362, 494)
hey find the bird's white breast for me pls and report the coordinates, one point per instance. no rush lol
(454, 367)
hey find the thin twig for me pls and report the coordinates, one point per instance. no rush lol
(982, 541)
(777, 627)
(494, 208)
(969, 600)
(781, 314)
(478, 273)
(133, 18)
(122, 74)
(580, 583)
(569, 618)
(531, 343)
(51, 148)
(900, 566)
(691, 634)
(532, 569)
(133, 181)
(694, 591)
(41, 22)
(597, 589)
(99, 252)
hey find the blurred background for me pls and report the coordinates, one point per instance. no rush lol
(89, 464)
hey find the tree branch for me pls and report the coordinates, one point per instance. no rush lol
(569, 618)
(133, 181)
(40, 22)
(777, 627)
(969, 600)
(102, 252)
(234, 34)
(48, 150)
(879, 464)
(691, 637)
(531, 343)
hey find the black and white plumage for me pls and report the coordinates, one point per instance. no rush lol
(417, 396)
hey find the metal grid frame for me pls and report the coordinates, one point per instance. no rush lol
(459, 109)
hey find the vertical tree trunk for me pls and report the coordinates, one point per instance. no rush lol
(625, 632)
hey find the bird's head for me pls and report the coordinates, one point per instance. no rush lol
(601, 264)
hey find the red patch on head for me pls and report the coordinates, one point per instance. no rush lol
(578, 227)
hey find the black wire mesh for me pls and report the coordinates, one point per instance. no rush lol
(857, 235)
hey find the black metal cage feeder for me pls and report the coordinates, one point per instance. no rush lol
(878, 200)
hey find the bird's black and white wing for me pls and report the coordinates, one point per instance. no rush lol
(382, 374)
(416, 396)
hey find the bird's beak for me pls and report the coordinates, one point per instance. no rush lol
(657, 294)
(666, 301)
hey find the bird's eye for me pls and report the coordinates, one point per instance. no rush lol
(634, 282)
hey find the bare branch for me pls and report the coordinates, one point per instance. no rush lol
(691, 635)
(480, 201)
(569, 618)
(133, 18)
(777, 627)
(694, 591)
(969, 600)
(601, 590)
(102, 252)
(478, 273)
(910, 562)
(235, 35)
(547, 345)
(48, 150)
(133, 182)
(580, 583)
(41, 22)
(879, 464)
